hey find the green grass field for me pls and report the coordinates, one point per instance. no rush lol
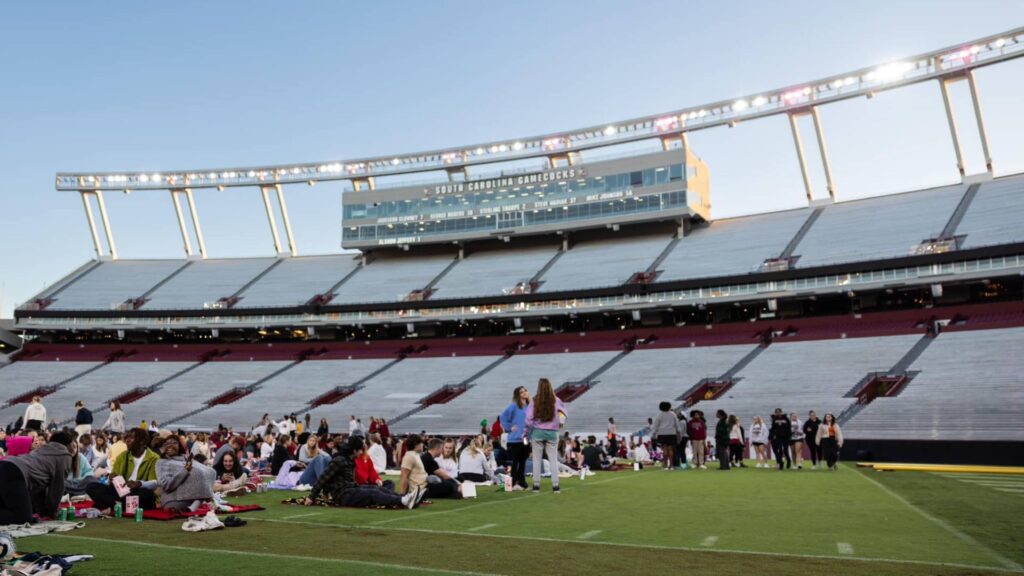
(746, 521)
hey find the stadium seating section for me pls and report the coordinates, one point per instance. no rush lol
(967, 383)
(855, 231)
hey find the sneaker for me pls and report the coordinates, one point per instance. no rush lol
(236, 492)
(591, 472)
(536, 487)
(421, 496)
(703, 466)
(555, 490)
(409, 500)
(814, 466)
(565, 474)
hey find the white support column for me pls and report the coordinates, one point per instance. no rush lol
(181, 222)
(265, 191)
(982, 133)
(287, 222)
(106, 224)
(195, 223)
(92, 223)
(800, 156)
(823, 149)
(953, 131)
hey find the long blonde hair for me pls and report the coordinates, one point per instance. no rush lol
(544, 401)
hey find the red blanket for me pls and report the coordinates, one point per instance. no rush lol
(161, 514)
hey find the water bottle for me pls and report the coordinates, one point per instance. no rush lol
(62, 514)
(117, 510)
(138, 514)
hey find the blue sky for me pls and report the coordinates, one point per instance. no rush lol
(180, 85)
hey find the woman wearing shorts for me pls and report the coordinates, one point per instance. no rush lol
(759, 438)
(666, 430)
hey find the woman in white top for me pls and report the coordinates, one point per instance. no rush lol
(378, 455)
(759, 438)
(35, 415)
(830, 438)
(449, 459)
(201, 447)
(100, 451)
(473, 462)
(796, 440)
(115, 422)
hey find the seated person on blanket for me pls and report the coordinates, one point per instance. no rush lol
(337, 485)
(366, 473)
(594, 456)
(231, 477)
(80, 472)
(137, 466)
(182, 481)
(474, 462)
(440, 483)
(34, 482)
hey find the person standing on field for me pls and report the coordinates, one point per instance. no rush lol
(698, 432)
(779, 434)
(722, 430)
(811, 437)
(544, 417)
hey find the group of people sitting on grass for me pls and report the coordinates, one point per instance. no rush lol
(681, 442)
(173, 471)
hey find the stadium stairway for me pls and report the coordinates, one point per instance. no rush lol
(126, 398)
(571, 391)
(456, 390)
(235, 393)
(44, 391)
(790, 248)
(46, 298)
(141, 300)
(721, 384)
(341, 392)
(895, 380)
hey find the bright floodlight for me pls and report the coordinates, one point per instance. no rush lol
(609, 131)
(740, 105)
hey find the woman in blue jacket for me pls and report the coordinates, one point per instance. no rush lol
(513, 421)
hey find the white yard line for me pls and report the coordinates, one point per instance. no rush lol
(845, 548)
(709, 541)
(484, 527)
(302, 515)
(637, 546)
(507, 499)
(1003, 560)
(588, 535)
(417, 569)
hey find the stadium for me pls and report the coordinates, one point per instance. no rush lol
(591, 258)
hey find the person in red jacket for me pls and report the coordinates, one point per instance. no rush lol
(697, 430)
(366, 474)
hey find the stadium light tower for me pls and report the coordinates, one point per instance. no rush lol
(946, 65)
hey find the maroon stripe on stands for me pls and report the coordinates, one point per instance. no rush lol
(967, 317)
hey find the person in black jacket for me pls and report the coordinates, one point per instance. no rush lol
(338, 485)
(722, 440)
(811, 437)
(779, 435)
(83, 419)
